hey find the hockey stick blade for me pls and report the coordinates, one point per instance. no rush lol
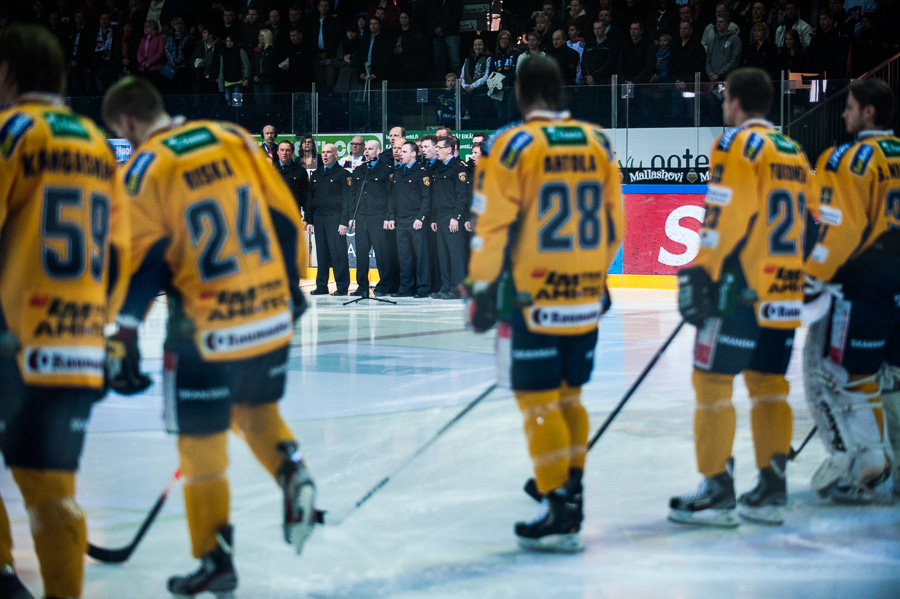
(531, 486)
(121, 554)
(381, 483)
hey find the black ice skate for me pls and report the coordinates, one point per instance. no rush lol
(10, 585)
(556, 527)
(215, 575)
(299, 496)
(765, 502)
(712, 504)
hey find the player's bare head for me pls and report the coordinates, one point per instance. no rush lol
(877, 94)
(752, 87)
(539, 84)
(132, 99)
(31, 60)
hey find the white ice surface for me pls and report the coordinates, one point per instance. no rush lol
(371, 383)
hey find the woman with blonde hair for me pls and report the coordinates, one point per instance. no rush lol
(265, 68)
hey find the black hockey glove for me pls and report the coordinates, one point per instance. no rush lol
(481, 304)
(123, 359)
(696, 295)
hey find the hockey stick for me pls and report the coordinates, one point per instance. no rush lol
(414, 455)
(120, 555)
(531, 485)
(795, 452)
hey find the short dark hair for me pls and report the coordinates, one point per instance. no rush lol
(36, 60)
(284, 141)
(135, 97)
(430, 137)
(540, 81)
(415, 147)
(877, 94)
(753, 87)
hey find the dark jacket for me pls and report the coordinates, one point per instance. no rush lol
(381, 56)
(329, 194)
(297, 180)
(449, 194)
(568, 62)
(264, 65)
(600, 60)
(687, 60)
(637, 62)
(411, 193)
(445, 14)
(331, 36)
(372, 189)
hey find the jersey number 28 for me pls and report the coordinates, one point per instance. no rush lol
(555, 200)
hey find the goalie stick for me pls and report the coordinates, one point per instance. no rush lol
(414, 455)
(120, 555)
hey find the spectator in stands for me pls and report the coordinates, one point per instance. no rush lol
(231, 26)
(151, 52)
(374, 56)
(322, 37)
(250, 27)
(757, 15)
(279, 33)
(711, 30)
(178, 50)
(792, 20)
(473, 81)
(408, 50)
(762, 52)
(855, 11)
(296, 65)
(574, 39)
(565, 56)
(265, 68)
(842, 21)
(309, 157)
(637, 61)
(503, 62)
(577, 13)
(601, 57)
(107, 57)
(446, 102)
(829, 49)
(79, 48)
(355, 157)
(128, 49)
(205, 61)
(542, 28)
(688, 56)
(346, 79)
(391, 12)
(534, 48)
(628, 13)
(793, 56)
(724, 54)
(868, 50)
(663, 72)
(136, 14)
(444, 18)
(234, 70)
(665, 19)
(777, 14)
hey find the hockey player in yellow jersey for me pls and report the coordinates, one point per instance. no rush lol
(549, 217)
(63, 259)
(857, 252)
(744, 294)
(216, 228)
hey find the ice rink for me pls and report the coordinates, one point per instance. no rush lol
(370, 383)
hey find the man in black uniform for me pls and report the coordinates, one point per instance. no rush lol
(372, 218)
(449, 201)
(327, 217)
(411, 196)
(430, 162)
(294, 175)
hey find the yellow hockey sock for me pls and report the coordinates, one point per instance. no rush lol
(714, 421)
(57, 527)
(771, 420)
(204, 459)
(576, 418)
(547, 436)
(6, 544)
(262, 427)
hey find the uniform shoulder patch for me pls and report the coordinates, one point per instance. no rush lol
(510, 155)
(462, 176)
(190, 140)
(890, 147)
(134, 176)
(861, 159)
(13, 130)
(783, 144)
(349, 181)
(754, 145)
(603, 141)
(835, 159)
(65, 125)
(427, 181)
(567, 135)
(489, 142)
(727, 138)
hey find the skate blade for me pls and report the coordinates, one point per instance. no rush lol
(710, 517)
(829, 472)
(767, 514)
(296, 533)
(568, 543)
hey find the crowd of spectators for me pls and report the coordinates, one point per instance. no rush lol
(257, 48)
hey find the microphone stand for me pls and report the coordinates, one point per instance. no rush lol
(366, 295)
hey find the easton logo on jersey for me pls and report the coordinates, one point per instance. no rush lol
(12, 132)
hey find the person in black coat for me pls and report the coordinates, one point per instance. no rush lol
(327, 217)
(322, 38)
(294, 175)
(371, 217)
(567, 58)
(411, 196)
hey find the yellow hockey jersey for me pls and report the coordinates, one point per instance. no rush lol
(754, 218)
(217, 228)
(857, 200)
(64, 247)
(548, 198)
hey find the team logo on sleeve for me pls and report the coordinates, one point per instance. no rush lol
(861, 160)
(135, 174)
(12, 132)
(835, 159)
(727, 138)
(754, 145)
(511, 154)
